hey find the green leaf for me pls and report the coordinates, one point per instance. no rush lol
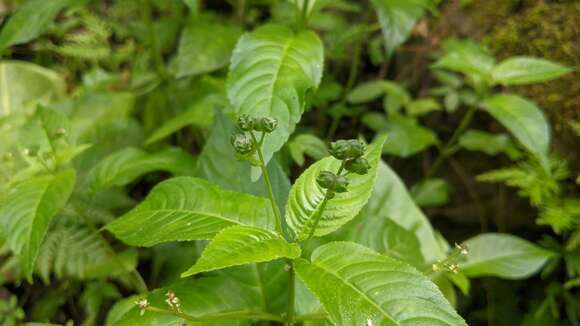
(26, 212)
(185, 208)
(240, 245)
(206, 45)
(406, 136)
(199, 114)
(126, 165)
(391, 200)
(306, 196)
(218, 164)
(198, 297)
(31, 20)
(271, 71)
(467, 57)
(422, 107)
(525, 121)
(527, 70)
(491, 144)
(358, 286)
(397, 19)
(307, 144)
(366, 92)
(23, 85)
(431, 193)
(503, 255)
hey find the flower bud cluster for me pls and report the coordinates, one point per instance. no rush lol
(350, 152)
(242, 141)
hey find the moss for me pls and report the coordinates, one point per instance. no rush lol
(550, 31)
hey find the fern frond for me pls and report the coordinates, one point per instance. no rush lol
(561, 215)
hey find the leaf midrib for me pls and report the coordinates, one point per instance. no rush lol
(364, 295)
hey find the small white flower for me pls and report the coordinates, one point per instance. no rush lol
(143, 304)
(369, 322)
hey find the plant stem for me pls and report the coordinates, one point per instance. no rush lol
(291, 294)
(227, 315)
(258, 146)
(156, 50)
(451, 146)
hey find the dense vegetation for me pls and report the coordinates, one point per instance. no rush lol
(287, 162)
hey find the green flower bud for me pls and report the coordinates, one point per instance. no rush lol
(356, 148)
(339, 149)
(245, 123)
(358, 165)
(242, 143)
(332, 182)
(265, 124)
(347, 149)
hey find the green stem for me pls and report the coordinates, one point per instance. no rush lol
(227, 315)
(451, 146)
(291, 295)
(258, 145)
(156, 50)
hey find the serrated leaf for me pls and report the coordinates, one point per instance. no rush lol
(306, 196)
(198, 297)
(23, 85)
(205, 45)
(26, 212)
(31, 20)
(527, 70)
(406, 136)
(186, 208)
(358, 286)
(240, 245)
(271, 71)
(503, 255)
(126, 165)
(397, 19)
(525, 121)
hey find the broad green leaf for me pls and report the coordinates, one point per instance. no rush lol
(431, 192)
(503, 255)
(406, 136)
(390, 199)
(240, 245)
(306, 195)
(23, 85)
(124, 166)
(26, 212)
(491, 144)
(185, 208)
(307, 144)
(525, 121)
(527, 70)
(31, 20)
(385, 236)
(200, 114)
(422, 107)
(198, 297)
(271, 71)
(467, 57)
(366, 92)
(397, 19)
(218, 164)
(358, 286)
(206, 45)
